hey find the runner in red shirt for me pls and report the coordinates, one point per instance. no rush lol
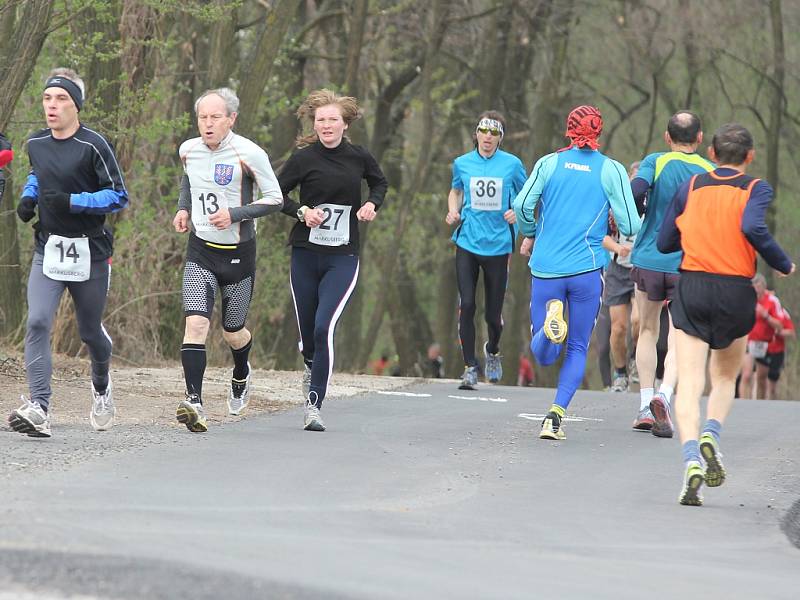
(768, 322)
(768, 369)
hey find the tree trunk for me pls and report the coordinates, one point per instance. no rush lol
(257, 71)
(776, 108)
(11, 294)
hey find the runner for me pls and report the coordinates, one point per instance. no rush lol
(768, 324)
(656, 274)
(324, 240)
(776, 355)
(618, 295)
(485, 182)
(574, 188)
(718, 219)
(227, 183)
(6, 156)
(74, 182)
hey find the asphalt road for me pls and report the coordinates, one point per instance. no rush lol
(432, 493)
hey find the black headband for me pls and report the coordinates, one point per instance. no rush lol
(70, 86)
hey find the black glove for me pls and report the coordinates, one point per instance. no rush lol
(26, 209)
(56, 201)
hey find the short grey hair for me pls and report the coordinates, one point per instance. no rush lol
(68, 74)
(228, 96)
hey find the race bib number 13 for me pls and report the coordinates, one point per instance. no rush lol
(67, 259)
(335, 227)
(486, 193)
(206, 202)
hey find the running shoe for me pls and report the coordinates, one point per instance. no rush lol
(692, 482)
(469, 380)
(633, 372)
(312, 421)
(239, 396)
(190, 413)
(644, 420)
(715, 472)
(555, 327)
(30, 419)
(306, 385)
(662, 426)
(494, 365)
(551, 428)
(620, 384)
(103, 410)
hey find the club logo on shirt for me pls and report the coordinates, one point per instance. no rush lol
(223, 174)
(577, 167)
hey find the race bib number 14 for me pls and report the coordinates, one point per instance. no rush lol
(335, 227)
(486, 193)
(67, 259)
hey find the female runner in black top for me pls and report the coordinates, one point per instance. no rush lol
(324, 268)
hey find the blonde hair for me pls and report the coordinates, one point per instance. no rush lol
(70, 74)
(348, 106)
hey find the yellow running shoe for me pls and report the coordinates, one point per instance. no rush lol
(190, 413)
(551, 428)
(692, 481)
(555, 327)
(715, 472)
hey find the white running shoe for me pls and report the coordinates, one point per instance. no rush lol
(312, 421)
(190, 413)
(30, 419)
(103, 410)
(239, 395)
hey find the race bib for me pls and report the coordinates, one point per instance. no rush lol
(206, 202)
(757, 349)
(335, 227)
(486, 193)
(67, 259)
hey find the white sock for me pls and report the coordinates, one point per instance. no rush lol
(646, 396)
(667, 391)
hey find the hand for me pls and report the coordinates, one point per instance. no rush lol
(623, 251)
(221, 219)
(510, 216)
(56, 201)
(366, 212)
(313, 217)
(526, 246)
(761, 311)
(452, 217)
(26, 209)
(181, 221)
(786, 274)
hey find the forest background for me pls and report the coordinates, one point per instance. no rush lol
(423, 70)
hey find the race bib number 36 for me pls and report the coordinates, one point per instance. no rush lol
(335, 227)
(67, 259)
(206, 202)
(486, 193)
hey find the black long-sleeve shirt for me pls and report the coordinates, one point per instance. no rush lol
(330, 176)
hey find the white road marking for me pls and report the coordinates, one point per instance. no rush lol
(407, 394)
(481, 398)
(573, 418)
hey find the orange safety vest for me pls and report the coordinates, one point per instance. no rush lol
(711, 225)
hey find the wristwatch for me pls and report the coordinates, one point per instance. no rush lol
(301, 213)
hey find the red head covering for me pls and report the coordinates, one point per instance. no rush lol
(584, 126)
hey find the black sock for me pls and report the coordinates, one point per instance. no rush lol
(193, 357)
(623, 372)
(240, 357)
(100, 376)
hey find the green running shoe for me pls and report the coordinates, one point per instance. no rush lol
(715, 472)
(692, 482)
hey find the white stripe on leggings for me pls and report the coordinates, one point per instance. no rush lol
(336, 314)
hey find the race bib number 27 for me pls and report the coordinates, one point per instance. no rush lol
(335, 227)
(486, 193)
(67, 259)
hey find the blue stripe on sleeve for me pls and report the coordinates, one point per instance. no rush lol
(99, 203)
(31, 188)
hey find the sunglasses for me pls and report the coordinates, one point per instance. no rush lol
(492, 131)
